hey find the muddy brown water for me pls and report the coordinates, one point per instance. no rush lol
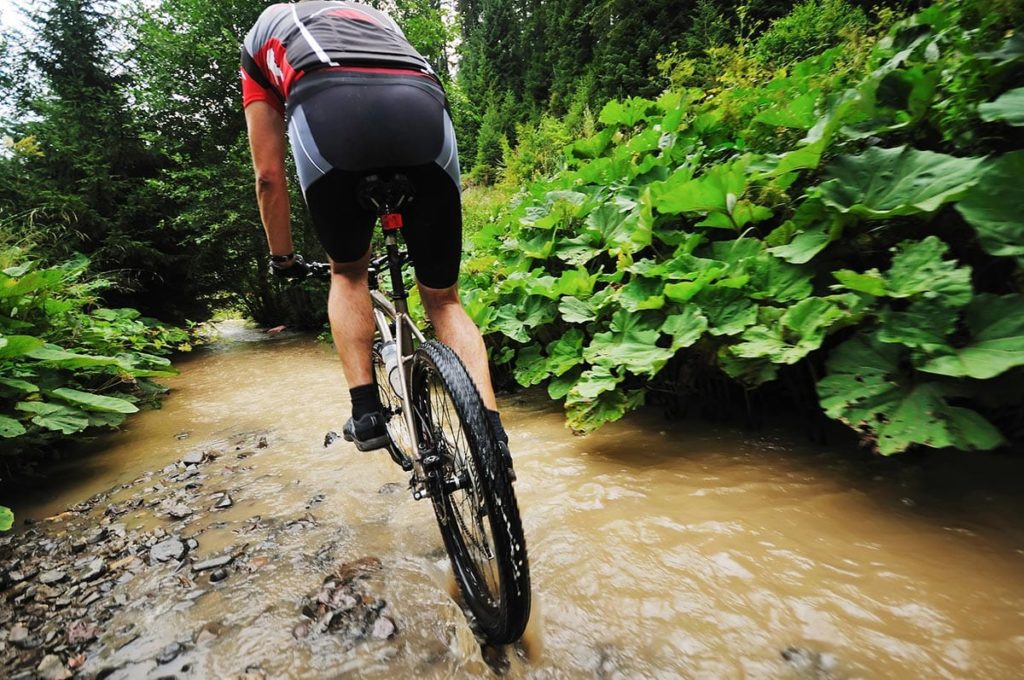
(657, 550)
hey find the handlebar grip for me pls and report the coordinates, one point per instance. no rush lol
(319, 270)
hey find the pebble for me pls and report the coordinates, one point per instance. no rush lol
(330, 438)
(171, 549)
(52, 668)
(262, 443)
(50, 577)
(224, 502)
(18, 636)
(169, 653)
(383, 628)
(96, 535)
(179, 511)
(213, 563)
(94, 570)
(194, 458)
(218, 575)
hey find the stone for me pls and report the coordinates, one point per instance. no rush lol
(213, 563)
(218, 575)
(96, 535)
(179, 511)
(82, 631)
(170, 549)
(94, 570)
(48, 578)
(224, 502)
(262, 443)
(18, 636)
(52, 668)
(330, 438)
(194, 458)
(383, 628)
(390, 488)
(169, 653)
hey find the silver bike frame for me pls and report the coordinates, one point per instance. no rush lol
(404, 354)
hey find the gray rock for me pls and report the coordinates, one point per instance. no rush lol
(330, 438)
(192, 543)
(169, 653)
(18, 636)
(194, 458)
(171, 549)
(96, 535)
(179, 511)
(224, 502)
(94, 570)
(48, 578)
(52, 668)
(383, 628)
(262, 443)
(218, 575)
(213, 563)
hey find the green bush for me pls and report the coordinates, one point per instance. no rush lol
(66, 362)
(784, 223)
(812, 27)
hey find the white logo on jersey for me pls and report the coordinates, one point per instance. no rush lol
(273, 67)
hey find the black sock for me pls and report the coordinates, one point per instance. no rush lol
(364, 400)
(499, 430)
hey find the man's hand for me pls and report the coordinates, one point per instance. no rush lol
(294, 268)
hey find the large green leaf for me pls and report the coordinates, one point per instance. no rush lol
(6, 518)
(52, 354)
(800, 331)
(796, 113)
(587, 416)
(9, 427)
(923, 325)
(883, 183)
(515, 320)
(1009, 108)
(727, 310)
(995, 205)
(866, 389)
(918, 268)
(533, 367)
(686, 327)
(997, 340)
(709, 192)
(64, 419)
(642, 293)
(95, 402)
(17, 345)
(629, 344)
(772, 279)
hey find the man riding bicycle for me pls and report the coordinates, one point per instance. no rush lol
(356, 97)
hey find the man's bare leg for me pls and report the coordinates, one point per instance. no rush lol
(455, 329)
(351, 315)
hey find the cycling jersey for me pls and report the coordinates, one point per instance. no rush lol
(291, 39)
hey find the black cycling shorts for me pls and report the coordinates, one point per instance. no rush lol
(344, 126)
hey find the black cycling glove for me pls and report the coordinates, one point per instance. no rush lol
(295, 270)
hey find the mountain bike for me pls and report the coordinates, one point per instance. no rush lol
(439, 432)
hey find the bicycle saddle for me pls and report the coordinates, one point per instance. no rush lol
(385, 192)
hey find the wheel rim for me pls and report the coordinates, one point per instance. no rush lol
(473, 556)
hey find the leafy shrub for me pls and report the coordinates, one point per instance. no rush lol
(810, 28)
(785, 221)
(66, 363)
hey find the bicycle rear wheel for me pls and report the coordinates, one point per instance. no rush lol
(473, 497)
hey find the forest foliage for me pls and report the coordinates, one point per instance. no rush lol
(848, 221)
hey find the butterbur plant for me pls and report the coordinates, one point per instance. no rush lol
(791, 223)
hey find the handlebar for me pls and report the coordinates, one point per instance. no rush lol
(322, 270)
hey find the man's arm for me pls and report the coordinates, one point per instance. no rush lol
(267, 143)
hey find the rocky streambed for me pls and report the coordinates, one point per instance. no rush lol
(77, 589)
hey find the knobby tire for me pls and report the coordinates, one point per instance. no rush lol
(480, 522)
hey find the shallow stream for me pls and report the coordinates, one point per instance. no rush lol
(657, 549)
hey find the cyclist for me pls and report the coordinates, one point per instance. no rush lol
(355, 96)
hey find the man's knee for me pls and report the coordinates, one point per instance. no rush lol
(436, 299)
(355, 270)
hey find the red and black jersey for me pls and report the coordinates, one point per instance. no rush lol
(291, 39)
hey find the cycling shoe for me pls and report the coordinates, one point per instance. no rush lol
(367, 432)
